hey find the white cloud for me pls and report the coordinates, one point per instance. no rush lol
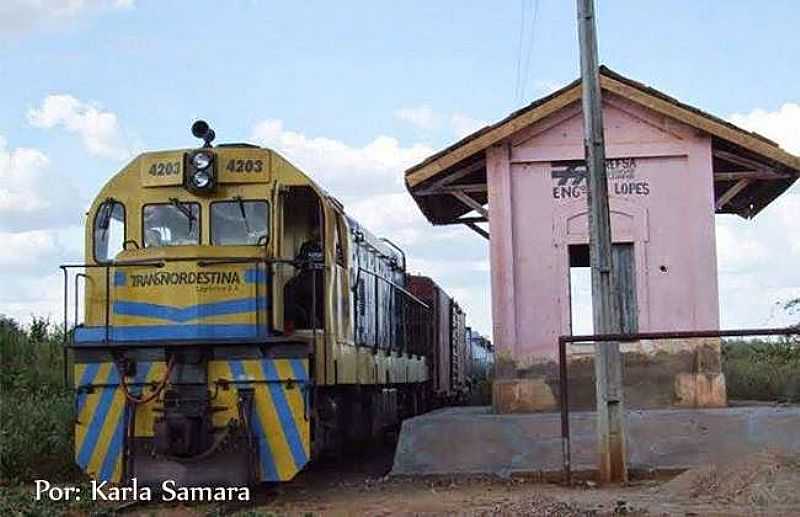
(21, 249)
(341, 168)
(33, 233)
(20, 170)
(27, 199)
(40, 295)
(463, 125)
(425, 118)
(99, 130)
(782, 125)
(422, 117)
(29, 276)
(394, 214)
(36, 250)
(21, 16)
(738, 245)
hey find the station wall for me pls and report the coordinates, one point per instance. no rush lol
(662, 205)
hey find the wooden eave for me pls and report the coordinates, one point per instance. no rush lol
(761, 173)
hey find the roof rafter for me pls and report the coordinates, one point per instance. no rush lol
(753, 175)
(465, 220)
(477, 229)
(448, 189)
(437, 187)
(741, 160)
(464, 198)
(732, 192)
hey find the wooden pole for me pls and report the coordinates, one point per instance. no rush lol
(608, 364)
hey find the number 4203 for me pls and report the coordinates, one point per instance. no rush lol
(245, 166)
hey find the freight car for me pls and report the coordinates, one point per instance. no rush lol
(446, 334)
(238, 324)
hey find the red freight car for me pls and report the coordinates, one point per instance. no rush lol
(446, 330)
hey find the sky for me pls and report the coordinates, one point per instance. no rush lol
(354, 93)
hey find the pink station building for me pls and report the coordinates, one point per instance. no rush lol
(671, 168)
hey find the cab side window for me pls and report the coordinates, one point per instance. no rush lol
(109, 230)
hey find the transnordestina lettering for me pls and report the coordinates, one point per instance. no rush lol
(182, 278)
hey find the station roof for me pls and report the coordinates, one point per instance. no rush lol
(750, 170)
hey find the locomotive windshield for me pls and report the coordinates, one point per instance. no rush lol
(239, 222)
(171, 224)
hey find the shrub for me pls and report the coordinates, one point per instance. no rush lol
(762, 370)
(36, 410)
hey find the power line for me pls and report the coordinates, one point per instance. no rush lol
(529, 49)
(517, 85)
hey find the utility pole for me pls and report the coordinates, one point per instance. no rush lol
(605, 303)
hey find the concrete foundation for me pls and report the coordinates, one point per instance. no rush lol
(674, 373)
(476, 441)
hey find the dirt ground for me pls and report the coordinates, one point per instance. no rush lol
(761, 485)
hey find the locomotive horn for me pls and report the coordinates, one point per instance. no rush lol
(200, 129)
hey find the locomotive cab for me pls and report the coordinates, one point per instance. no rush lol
(165, 239)
(184, 368)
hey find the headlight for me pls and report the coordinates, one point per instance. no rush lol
(200, 175)
(201, 161)
(201, 179)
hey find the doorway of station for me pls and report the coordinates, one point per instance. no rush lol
(580, 290)
(580, 287)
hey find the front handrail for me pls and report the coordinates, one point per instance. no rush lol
(68, 337)
(65, 268)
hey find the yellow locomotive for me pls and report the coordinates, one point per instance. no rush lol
(237, 323)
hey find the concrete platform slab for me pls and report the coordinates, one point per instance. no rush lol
(473, 440)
